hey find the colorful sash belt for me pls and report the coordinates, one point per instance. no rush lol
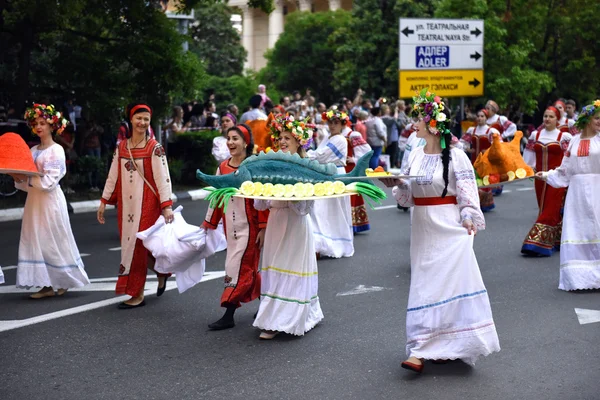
(434, 201)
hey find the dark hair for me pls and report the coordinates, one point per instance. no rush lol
(446, 160)
(255, 101)
(571, 102)
(127, 123)
(250, 146)
(208, 105)
(231, 107)
(197, 110)
(375, 111)
(269, 106)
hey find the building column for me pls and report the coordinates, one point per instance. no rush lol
(275, 23)
(248, 36)
(335, 5)
(305, 5)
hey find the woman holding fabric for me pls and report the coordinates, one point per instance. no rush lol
(245, 232)
(139, 184)
(449, 314)
(580, 171)
(220, 151)
(289, 291)
(48, 254)
(544, 151)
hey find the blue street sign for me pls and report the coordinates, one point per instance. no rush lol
(432, 57)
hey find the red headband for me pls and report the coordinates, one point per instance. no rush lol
(245, 132)
(561, 103)
(138, 107)
(555, 111)
(485, 112)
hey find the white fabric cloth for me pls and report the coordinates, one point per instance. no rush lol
(580, 240)
(449, 314)
(332, 218)
(544, 138)
(252, 115)
(181, 248)
(220, 151)
(411, 144)
(509, 127)
(289, 300)
(48, 254)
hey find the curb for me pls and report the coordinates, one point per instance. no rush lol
(80, 207)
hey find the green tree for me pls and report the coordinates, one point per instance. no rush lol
(303, 57)
(216, 42)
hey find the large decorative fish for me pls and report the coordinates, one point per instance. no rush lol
(285, 168)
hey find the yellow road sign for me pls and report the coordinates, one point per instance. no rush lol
(445, 83)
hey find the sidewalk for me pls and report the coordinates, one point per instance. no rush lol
(80, 207)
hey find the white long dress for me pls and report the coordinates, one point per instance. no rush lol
(580, 239)
(48, 254)
(289, 300)
(332, 218)
(449, 314)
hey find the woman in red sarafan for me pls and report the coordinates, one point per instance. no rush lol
(245, 231)
(139, 184)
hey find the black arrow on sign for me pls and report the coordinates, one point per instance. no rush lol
(476, 32)
(476, 56)
(474, 82)
(407, 31)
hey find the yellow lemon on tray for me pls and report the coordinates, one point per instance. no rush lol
(521, 173)
(511, 176)
(299, 190)
(328, 188)
(486, 180)
(247, 188)
(278, 190)
(289, 190)
(259, 188)
(319, 189)
(309, 190)
(267, 190)
(339, 187)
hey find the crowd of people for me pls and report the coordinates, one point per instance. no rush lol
(449, 314)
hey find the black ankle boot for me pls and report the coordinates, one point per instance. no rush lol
(225, 322)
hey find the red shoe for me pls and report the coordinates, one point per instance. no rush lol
(418, 368)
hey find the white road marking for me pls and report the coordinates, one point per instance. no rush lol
(9, 267)
(115, 249)
(506, 191)
(14, 324)
(586, 316)
(385, 207)
(525, 189)
(84, 254)
(362, 289)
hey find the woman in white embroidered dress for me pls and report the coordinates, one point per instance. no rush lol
(289, 289)
(449, 314)
(332, 218)
(48, 254)
(580, 171)
(139, 184)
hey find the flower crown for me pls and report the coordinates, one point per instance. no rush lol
(49, 113)
(431, 107)
(337, 114)
(587, 112)
(302, 130)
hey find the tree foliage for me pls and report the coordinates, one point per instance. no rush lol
(216, 42)
(303, 57)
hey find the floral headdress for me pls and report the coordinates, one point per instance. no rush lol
(431, 107)
(587, 112)
(337, 114)
(49, 113)
(302, 130)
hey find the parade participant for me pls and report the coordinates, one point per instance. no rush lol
(244, 229)
(564, 123)
(449, 314)
(332, 218)
(506, 127)
(139, 184)
(571, 109)
(476, 140)
(289, 290)
(357, 147)
(48, 254)
(580, 171)
(544, 151)
(220, 151)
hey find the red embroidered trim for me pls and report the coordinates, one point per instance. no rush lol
(434, 201)
(584, 148)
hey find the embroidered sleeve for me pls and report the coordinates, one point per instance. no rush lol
(301, 207)
(403, 192)
(509, 127)
(565, 140)
(467, 194)
(54, 169)
(109, 195)
(160, 171)
(560, 177)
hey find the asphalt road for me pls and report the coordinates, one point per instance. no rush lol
(164, 350)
